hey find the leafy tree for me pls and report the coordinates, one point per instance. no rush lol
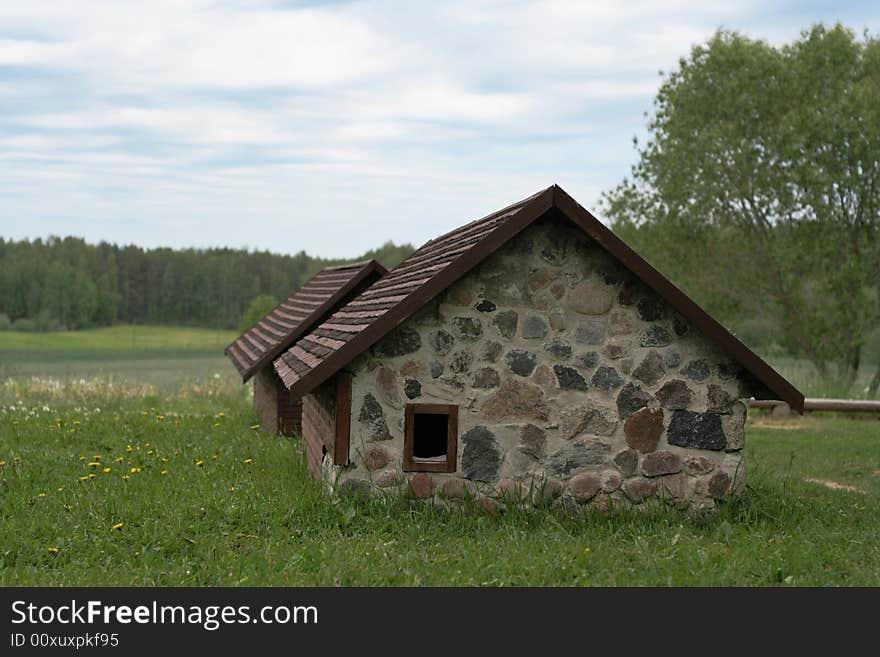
(259, 308)
(760, 181)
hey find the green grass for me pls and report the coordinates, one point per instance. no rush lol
(226, 521)
(123, 338)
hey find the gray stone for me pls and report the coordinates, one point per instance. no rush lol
(569, 378)
(556, 248)
(697, 465)
(373, 418)
(631, 399)
(421, 485)
(696, 430)
(355, 488)
(387, 479)
(591, 297)
(516, 399)
(442, 341)
(588, 360)
(547, 490)
(643, 428)
(412, 389)
(386, 381)
(399, 342)
(591, 331)
(584, 486)
(611, 480)
(615, 351)
(491, 351)
(486, 378)
(557, 321)
(540, 278)
(696, 370)
(719, 484)
(719, 400)
(626, 366)
(728, 371)
(680, 327)
(629, 292)
(675, 395)
(654, 336)
(468, 329)
(626, 461)
(458, 488)
(532, 441)
(622, 322)
(576, 456)
(639, 489)
(661, 463)
(651, 369)
(534, 327)
(506, 322)
(672, 359)
(586, 418)
(606, 378)
(460, 361)
(734, 426)
(436, 369)
(651, 309)
(520, 361)
(559, 348)
(674, 485)
(485, 306)
(481, 457)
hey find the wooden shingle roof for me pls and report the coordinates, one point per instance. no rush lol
(301, 311)
(363, 321)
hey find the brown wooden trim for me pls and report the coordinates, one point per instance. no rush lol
(343, 419)
(535, 208)
(412, 464)
(701, 320)
(369, 274)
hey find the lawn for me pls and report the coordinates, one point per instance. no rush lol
(146, 484)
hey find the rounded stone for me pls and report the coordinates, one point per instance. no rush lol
(510, 489)
(718, 484)
(457, 488)
(485, 306)
(412, 389)
(467, 328)
(506, 322)
(591, 297)
(491, 351)
(516, 399)
(557, 321)
(606, 378)
(675, 395)
(591, 331)
(520, 361)
(643, 429)
(376, 458)
(696, 370)
(411, 368)
(626, 461)
(655, 336)
(697, 465)
(546, 491)
(584, 486)
(442, 341)
(387, 479)
(486, 378)
(542, 375)
(661, 463)
(421, 484)
(638, 489)
(460, 361)
(559, 348)
(534, 327)
(651, 369)
(610, 480)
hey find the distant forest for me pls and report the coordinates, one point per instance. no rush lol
(66, 283)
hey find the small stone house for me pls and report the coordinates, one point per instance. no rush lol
(530, 353)
(252, 352)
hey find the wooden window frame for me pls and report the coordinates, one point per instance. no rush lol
(412, 464)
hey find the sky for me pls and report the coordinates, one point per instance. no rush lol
(332, 127)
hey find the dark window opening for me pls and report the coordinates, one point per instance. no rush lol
(431, 439)
(430, 435)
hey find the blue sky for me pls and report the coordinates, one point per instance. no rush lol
(332, 127)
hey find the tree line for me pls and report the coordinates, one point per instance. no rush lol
(64, 283)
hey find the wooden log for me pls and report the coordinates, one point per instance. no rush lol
(818, 404)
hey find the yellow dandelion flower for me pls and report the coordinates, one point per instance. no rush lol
(106, 470)
(137, 447)
(2, 463)
(97, 457)
(200, 463)
(125, 477)
(159, 418)
(84, 477)
(164, 459)
(67, 507)
(146, 444)
(82, 458)
(221, 414)
(248, 460)
(215, 457)
(216, 424)
(232, 489)
(149, 451)
(164, 472)
(94, 464)
(135, 470)
(144, 413)
(118, 525)
(71, 431)
(255, 426)
(41, 494)
(53, 550)
(60, 488)
(92, 475)
(120, 459)
(128, 449)
(76, 423)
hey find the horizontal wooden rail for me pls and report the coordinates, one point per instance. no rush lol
(817, 404)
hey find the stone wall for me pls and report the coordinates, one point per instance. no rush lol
(572, 379)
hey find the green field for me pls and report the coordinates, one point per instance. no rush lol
(195, 496)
